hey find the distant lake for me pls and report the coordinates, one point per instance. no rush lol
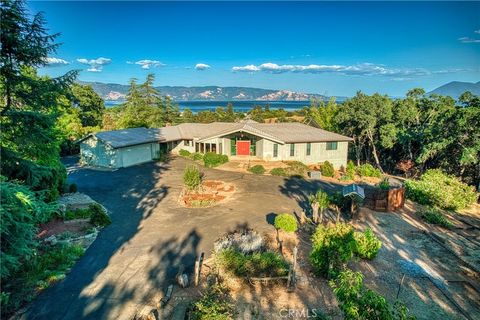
(238, 106)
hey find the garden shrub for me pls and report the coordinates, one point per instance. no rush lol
(442, 190)
(327, 169)
(358, 302)
(384, 184)
(434, 216)
(214, 305)
(350, 171)
(77, 214)
(73, 188)
(98, 215)
(192, 177)
(48, 265)
(367, 170)
(257, 264)
(257, 169)
(184, 153)
(367, 244)
(286, 222)
(332, 246)
(211, 159)
(296, 168)
(339, 200)
(197, 156)
(278, 172)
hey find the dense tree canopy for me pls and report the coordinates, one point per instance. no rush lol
(423, 131)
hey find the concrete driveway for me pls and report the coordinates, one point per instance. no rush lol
(136, 257)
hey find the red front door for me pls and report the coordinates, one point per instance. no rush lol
(243, 148)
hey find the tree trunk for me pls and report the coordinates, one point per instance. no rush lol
(374, 151)
(321, 215)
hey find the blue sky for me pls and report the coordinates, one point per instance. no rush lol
(333, 48)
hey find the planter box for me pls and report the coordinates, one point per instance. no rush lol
(384, 200)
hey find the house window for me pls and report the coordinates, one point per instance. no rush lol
(309, 148)
(187, 143)
(292, 150)
(275, 150)
(332, 145)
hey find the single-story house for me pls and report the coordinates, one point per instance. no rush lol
(266, 141)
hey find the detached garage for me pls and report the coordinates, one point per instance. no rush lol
(120, 148)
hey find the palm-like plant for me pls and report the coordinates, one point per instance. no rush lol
(319, 202)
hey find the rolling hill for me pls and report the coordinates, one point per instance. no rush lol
(456, 88)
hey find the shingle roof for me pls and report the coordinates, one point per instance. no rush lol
(291, 132)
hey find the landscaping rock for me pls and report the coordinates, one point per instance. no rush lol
(74, 201)
(51, 240)
(182, 280)
(247, 241)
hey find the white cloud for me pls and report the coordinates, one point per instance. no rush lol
(468, 39)
(147, 64)
(248, 68)
(201, 66)
(363, 69)
(96, 65)
(50, 61)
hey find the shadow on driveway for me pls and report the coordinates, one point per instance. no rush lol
(130, 195)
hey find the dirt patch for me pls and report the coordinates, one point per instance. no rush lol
(434, 278)
(57, 226)
(209, 194)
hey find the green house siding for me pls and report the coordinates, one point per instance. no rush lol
(94, 152)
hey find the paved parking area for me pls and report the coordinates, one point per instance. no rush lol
(135, 258)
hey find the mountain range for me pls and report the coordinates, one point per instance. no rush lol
(117, 92)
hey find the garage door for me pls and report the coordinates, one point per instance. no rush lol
(137, 154)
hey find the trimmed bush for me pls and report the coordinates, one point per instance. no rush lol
(197, 156)
(367, 244)
(72, 188)
(367, 170)
(214, 305)
(257, 169)
(98, 215)
(286, 222)
(184, 153)
(258, 264)
(192, 178)
(434, 216)
(327, 169)
(439, 189)
(211, 159)
(332, 246)
(278, 172)
(296, 168)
